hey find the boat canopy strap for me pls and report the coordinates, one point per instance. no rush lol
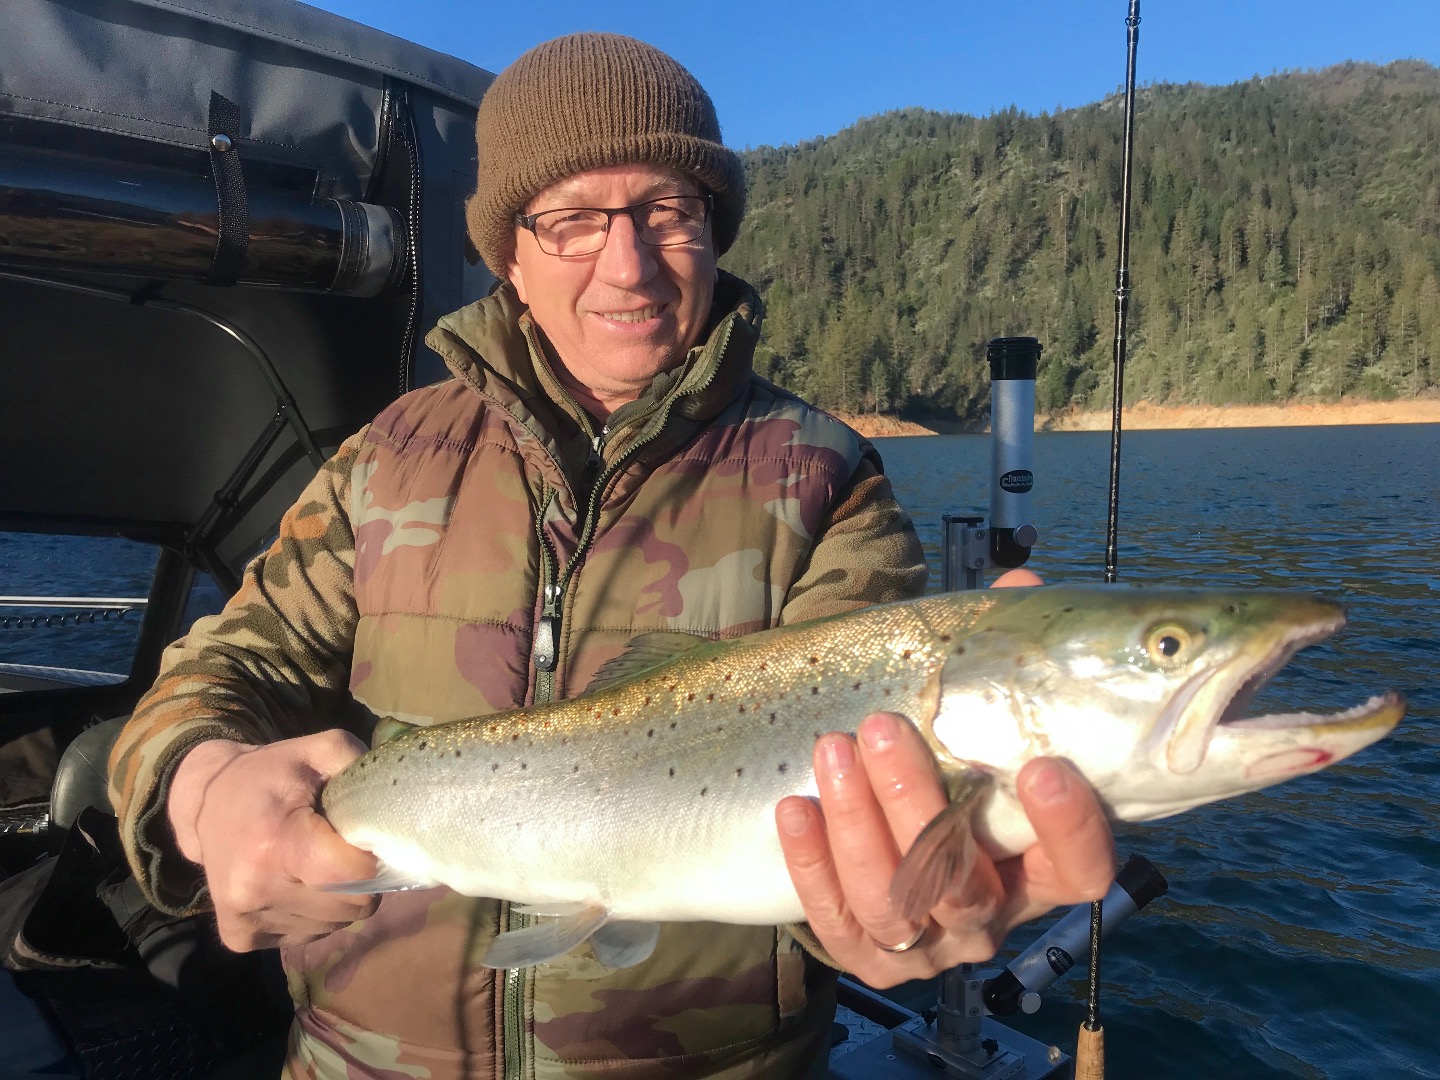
(233, 235)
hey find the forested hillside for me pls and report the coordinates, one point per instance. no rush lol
(1285, 243)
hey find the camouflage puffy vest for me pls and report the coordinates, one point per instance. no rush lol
(476, 557)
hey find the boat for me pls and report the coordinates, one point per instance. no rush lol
(222, 229)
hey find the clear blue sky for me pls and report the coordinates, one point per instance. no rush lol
(784, 72)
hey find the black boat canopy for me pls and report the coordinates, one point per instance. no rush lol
(225, 226)
(311, 82)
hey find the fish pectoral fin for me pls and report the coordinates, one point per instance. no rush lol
(533, 945)
(943, 853)
(625, 944)
(386, 879)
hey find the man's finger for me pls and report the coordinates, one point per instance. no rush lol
(1017, 578)
(1070, 827)
(862, 842)
(901, 769)
(314, 853)
(902, 772)
(329, 752)
(806, 846)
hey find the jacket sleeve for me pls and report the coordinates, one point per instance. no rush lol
(865, 552)
(274, 664)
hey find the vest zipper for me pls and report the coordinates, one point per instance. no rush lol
(545, 650)
(517, 1063)
(594, 463)
(545, 647)
(545, 654)
(513, 1007)
(547, 634)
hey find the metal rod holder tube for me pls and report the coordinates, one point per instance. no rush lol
(1013, 363)
(61, 213)
(966, 554)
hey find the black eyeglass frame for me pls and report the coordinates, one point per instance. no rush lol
(527, 222)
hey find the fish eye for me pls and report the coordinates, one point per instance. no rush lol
(1168, 643)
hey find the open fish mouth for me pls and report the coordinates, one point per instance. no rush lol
(1369, 714)
(1222, 699)
(1284, 651)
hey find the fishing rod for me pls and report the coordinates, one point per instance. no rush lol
(1122, 295)
(962, 1036)
(959, 1036)
(1090, 1045)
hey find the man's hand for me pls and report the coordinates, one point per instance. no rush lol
(874, 802)
(248, 816)
(875, 798)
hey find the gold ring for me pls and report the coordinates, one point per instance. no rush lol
(906, 945)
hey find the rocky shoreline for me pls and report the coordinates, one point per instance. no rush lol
(1147, 416)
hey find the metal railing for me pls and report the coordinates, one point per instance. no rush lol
(41, 611)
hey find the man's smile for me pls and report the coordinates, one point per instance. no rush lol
(634, 316)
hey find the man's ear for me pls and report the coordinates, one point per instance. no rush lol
(517, 279)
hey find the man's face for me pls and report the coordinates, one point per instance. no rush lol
(621, 316)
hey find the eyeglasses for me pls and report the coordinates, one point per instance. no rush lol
(573, 231)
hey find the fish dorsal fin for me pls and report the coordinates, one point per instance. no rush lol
(625, 944)
(643, 655)
(943, 853)
(544, 940)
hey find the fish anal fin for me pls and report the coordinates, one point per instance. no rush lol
(625, 944)
(386, 879)
(644, 654)
(942, 854)
(544, 941)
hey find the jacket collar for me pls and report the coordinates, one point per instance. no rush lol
(492, 346)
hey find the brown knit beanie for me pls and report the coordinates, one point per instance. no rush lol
(582, 102)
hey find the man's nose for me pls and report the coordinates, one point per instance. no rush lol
(625, 259)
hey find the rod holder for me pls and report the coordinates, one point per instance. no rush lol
(1013, 362)
(967, 552)
(62, 214)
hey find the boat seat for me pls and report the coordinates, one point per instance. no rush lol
(82, 778)
(136, 993)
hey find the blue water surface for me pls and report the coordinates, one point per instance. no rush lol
(1301, 934)
(89, 638)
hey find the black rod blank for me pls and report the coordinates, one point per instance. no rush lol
(1122, 297)
(1122, 309)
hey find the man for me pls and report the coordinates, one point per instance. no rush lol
(603, 464)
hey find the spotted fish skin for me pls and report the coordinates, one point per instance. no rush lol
(652, 798)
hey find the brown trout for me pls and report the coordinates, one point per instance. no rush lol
(651, 797)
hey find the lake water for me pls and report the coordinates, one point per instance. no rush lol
(1301, 933)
